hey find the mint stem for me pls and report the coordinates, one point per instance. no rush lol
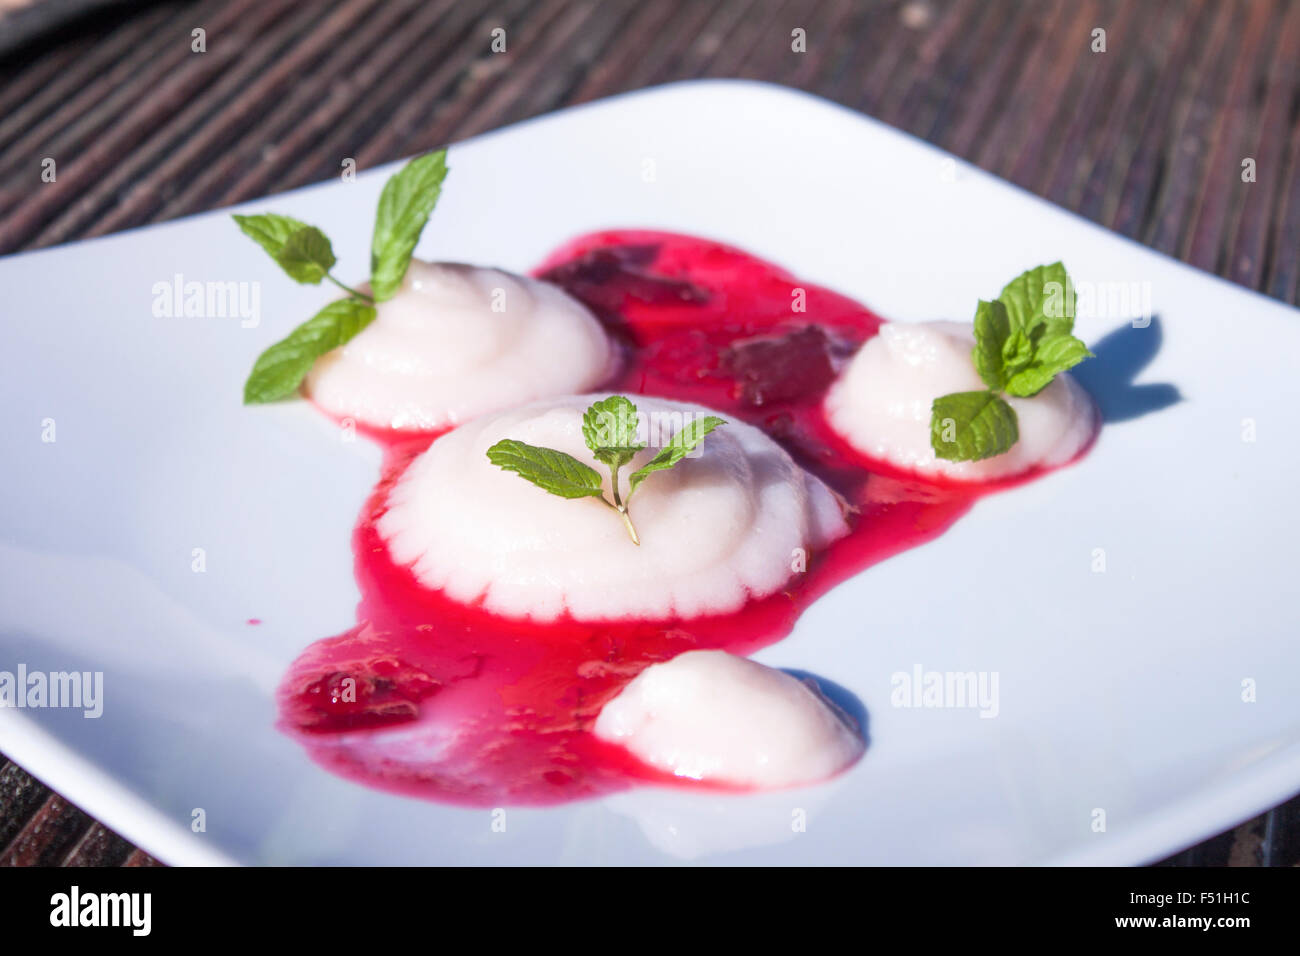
(620, 507)
(351, 291)
(627, 521)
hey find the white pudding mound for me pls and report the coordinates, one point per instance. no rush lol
(716, 530)
(713, 716)
(458, 341)
(881, 404)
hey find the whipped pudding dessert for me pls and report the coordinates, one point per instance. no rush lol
(719, 529)
(548, 614)
(881, 405)
(714, 716)
(457, 341)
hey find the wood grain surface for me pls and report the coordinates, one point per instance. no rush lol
(1147, 138)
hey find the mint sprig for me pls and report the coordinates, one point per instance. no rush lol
(554, 471)
(1023, 340)
(302, 251)
(970, 423)
(306, 255)
(681, 445)
(281, 368)
(609, 429)
(404, 208)
(269, 230)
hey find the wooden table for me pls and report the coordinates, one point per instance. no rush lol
(1147, 138)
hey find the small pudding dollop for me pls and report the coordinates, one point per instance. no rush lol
(881, 405)
(457, 341)
(732, 522)
(716, 717)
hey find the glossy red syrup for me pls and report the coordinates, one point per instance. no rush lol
(448, 702)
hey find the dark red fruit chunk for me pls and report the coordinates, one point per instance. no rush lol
(605, 279)
(781, 368)
(371, 694)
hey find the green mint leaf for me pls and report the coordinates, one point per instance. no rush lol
(970, 426)
(1040, 302)
(681, 445)
(1053, 356)
(404, 207)
(1017, 355)
(307, 256)
(269, 230)
(992, 329)
(1017, 351)
(548, 469)
(280, 369)
(609, 429)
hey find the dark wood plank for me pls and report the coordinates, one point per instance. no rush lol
(271, 72)
(98, 846)
(1221, 188)
(249, 57)
(48, 834)
(21, 797)
(1258, 238)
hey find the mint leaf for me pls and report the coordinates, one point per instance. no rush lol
(280, 369)
(1053, 356)
(1017, 355)
(548, 469)
(1017, 351)
(992, 328)
(269, 230)
(1023, 340)
(970, 426)
(681, 445)
(609, 429)
(404, 207)
(307, 256)
(1040, 302)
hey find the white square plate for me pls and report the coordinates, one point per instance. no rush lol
(1119, 691)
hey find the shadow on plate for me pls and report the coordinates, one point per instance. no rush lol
(1120, 357)
(841, 697)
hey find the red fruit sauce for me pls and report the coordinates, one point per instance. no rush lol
(448, 702)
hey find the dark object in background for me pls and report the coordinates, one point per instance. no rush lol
(23, 21)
